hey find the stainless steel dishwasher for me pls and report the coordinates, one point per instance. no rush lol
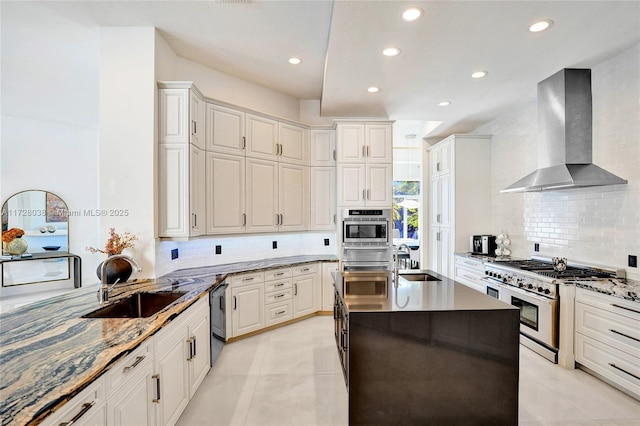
(218, 320)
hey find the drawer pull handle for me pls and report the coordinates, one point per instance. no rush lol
(624, 371)
(135, 363)
(85, 407)
(625, 335)
(280, 312)
(248, 279)
(279, 285)
(279, 274)
(156, 377)
(304, 270)
(277, 296)
(624, 307)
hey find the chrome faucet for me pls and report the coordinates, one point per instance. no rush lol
(395, 262)
(105, 289)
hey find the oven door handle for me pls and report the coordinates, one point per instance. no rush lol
(380, 247)
(524, 293)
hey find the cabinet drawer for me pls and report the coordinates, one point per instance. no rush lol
(270, 286)
(617, 366)
(608, 327)
(471, 264)
(86, 408)
(277, 296)
(126, 368)
(245, 279)
(470, 278)
(279, 312)
(310, 268)
(277, 274)
(610, 303)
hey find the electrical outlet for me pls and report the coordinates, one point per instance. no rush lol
(536, 247)
(274, 245)
(326, 241)
(218, 249)
(633, 261)
(174, 254)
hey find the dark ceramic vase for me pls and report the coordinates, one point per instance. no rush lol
(116, 268)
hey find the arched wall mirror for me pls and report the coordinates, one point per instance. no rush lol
(44, 218)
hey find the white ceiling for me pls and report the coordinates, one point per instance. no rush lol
(340, 44)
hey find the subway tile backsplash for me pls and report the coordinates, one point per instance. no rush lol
(597, 225)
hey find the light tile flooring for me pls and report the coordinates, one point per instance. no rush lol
(292, 376)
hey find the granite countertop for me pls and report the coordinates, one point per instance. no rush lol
(422, 296)
(49, 353)
(624, 288)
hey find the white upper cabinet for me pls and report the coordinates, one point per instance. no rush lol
(181, 114)
(323, 198)
(379, 183)
(262, 137)
(379, 148)
(351, 143)
(440, 160)
(262, 195)
(323, 147)
(197, 198)
(225, 129)
(351, 184)
(293, 144)
(293, 197)
(225, 193)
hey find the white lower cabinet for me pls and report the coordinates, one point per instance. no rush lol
(327, 285)
(131, 389)
(306, 289)
(247, 303)
(608, 338)
(87, 408)
(278, 295)
(181, 353)
(470, 272)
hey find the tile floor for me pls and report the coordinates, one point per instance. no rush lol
(292, 376)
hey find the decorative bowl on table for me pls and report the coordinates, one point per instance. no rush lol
(51, 248)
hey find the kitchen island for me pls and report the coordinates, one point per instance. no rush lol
(429, 351)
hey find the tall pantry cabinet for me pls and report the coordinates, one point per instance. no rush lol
(459, 197)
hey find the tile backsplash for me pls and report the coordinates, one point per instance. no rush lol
(240, 248)
(596, 225)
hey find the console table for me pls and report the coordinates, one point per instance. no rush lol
(77, 263)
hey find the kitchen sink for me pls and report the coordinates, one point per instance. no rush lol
(138, 305)
(422, 276)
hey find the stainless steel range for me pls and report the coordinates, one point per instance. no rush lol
(532, 286)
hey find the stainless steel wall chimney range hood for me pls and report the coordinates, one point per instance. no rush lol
(564, 140)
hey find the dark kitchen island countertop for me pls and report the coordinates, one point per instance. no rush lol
(429, 352)
(49, 353)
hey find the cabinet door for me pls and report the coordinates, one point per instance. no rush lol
(351, 143)
(327, 285)
(440, 159)
(303, 295)
(379, 185)
(132, 405)
(196, 120)
(378, 140)
(293, 197)
(200, 360)
(440, 257)
(440, 201)
(247, 304)
(262, 195)
(173, 116)
(197, 197)
(351, 184)
(262, 137)
(173, 190)
(172, 373)
(225, 130)
(323, 147)
(323, 199)
(294, 144)
(225, 193)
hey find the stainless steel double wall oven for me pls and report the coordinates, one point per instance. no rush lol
(366, 239)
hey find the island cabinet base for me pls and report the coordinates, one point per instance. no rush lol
(433, 368)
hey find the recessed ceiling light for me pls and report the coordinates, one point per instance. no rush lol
(391, 51)
(412, 14)
(541, 25)
(295, 61)
(479, 74)
(444, 103)
(373, 89)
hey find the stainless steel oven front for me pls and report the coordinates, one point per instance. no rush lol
(366, 226)
(538, 314)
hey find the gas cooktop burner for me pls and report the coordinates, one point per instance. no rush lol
(546, 269)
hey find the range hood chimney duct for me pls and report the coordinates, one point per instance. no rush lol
(565, 136)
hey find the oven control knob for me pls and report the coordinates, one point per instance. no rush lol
(487, 273)
(540, 289)
(547, 291)
(520, 282)
(530, 286)
(504, 279)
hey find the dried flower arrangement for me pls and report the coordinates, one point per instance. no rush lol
(116, 243)
(8, 236)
